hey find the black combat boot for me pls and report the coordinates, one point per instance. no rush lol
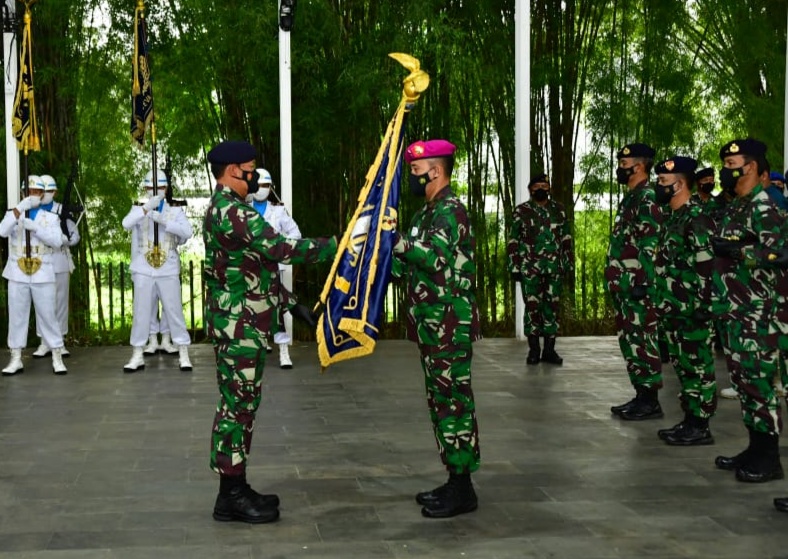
(238, 501)
(644, 406)
(458, 497)
(781, 504)
(549, 355)
(764, 462)
(533, 350)
(694, 432)
(662, 433)
(732, 463)
(433, 496)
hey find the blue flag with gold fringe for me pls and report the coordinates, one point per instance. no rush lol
(142, 87)
(23, 121)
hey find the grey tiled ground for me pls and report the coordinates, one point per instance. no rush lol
(99, 464)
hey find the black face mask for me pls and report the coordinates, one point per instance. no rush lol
(418, 184)
(664, 192)
(540, 195)
(623, 174)
(729, 178)
(706, 188)
(250, 178)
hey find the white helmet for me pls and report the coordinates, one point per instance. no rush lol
(34, 181)
(265, 177)
(49, 182)
(161, 180)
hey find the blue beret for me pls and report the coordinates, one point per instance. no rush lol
(541, 177)
(636, 150)
(232, 151)
(776, 176)
(746, 146)
(703, 173)
(677, 164)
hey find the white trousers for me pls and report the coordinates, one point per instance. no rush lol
(61, 303)
(158, 325)
(42, 296)
(145, 293)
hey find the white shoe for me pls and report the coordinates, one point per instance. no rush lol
(183, 358)
(284, 357)
(15, 365)
(166, 344)
(57, 362)
(729, 393)
(153, 345)
(42, 351)
(64, 352)
(136, 363)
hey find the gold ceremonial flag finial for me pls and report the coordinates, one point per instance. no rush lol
(139, 12)
(417, 81)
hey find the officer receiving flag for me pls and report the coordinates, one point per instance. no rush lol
(355, 290)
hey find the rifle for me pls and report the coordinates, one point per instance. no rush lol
(168, 192)
(69, 211)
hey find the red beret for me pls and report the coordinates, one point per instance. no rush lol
(428, 149)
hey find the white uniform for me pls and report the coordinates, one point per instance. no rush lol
(174, 230)
(278, 218)
(38, 287)
(64, 265)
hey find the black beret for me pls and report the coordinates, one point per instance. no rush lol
(703, 173)
(232, 151)
(636, 150)
(677, 164)
(746, 146)
(541, 177)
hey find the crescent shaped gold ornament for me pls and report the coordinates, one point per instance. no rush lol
(415, 83)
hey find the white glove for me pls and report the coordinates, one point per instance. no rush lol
(361, 226)
(29, 224)
(152, 203)
(156, 216)
(28, 203)
(65, 240)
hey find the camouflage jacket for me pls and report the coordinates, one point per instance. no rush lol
(242, 252)
(711, 207)
(540, 242)
(744, 289)
(435, 256)
(633, 240)
(685, 261)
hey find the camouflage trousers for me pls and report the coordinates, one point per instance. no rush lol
(692, 355)
(541, 295)
(753, 367)
(239, 374)
(637, 326)
(447, 373)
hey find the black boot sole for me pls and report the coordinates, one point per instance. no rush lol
(237, 517)
(427, 512)
(746, 476)
(689, 442)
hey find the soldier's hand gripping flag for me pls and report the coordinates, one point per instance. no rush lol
(142, 87)
(24, 125)
(355, 290)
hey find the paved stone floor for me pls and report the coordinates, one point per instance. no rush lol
(98, 464)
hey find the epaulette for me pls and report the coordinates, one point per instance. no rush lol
(177, 204)
(139, 203)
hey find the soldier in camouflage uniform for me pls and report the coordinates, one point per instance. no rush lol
(242, 253)
(630, 278)
(540, 257)
(435, 257)
(703, 196)
(744, 295)
(684, 265)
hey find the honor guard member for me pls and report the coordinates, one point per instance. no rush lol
(156, 268)
(242, 254)
(277, 217)
(62, 262)
(774, 188)
(33, 236)
(159, 325)
(540, 258)
(745, 298)
(684, 266)
(436, 258)
(630, 279)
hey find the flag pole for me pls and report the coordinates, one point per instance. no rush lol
(522, 123)
(285, 134)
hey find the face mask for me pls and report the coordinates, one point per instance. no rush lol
(623, 174)
(48, 197)
(540, 195)
(250, 178)
(418, 183)
(262, 194)
(729, 178)
(706, 188)
(664, 192)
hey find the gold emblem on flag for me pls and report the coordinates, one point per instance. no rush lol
(156, 257)
(29, 264)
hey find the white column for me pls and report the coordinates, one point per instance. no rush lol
(286, 147)
(522, 122)
(10, 73)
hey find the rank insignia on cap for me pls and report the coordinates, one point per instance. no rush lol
(669, 165)
(734, 148)
(625, 151)
(418, 150)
